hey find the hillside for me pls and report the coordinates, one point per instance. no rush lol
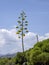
(38, 55)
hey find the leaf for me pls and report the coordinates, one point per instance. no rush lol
(20, 24)
(23, 18)
(26, 24)
(26, 21)
(19, 17)
(17, 27)
(17, 32)
(21, 28)
(19, 37)
(23, 34)
(19, 21)
(25, 28)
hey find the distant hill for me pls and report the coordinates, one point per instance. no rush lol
(1, 55)
(8, 55)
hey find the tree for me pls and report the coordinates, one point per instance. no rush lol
(19, 58)
(22, 27)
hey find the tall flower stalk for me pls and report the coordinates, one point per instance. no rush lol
(22, 27)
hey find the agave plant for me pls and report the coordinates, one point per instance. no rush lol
(22, 27)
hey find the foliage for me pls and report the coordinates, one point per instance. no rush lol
(38, 55)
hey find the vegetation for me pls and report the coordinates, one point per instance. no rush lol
(22, 27)
(38, 55)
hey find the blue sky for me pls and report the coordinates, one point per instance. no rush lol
(37, 12)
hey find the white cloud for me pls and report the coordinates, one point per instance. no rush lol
(9, 42)
(46, 36)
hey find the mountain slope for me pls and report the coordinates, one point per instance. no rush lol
(38, 55)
